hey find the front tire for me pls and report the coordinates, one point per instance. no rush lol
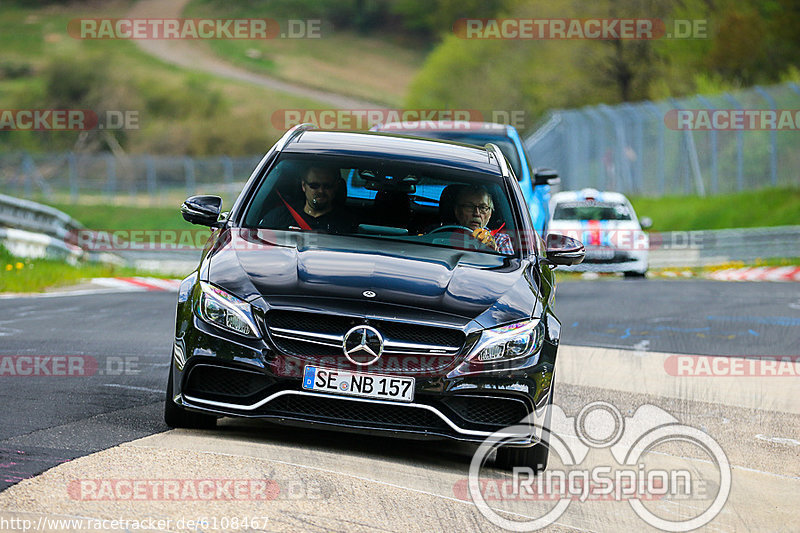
(637, 275)
(535, 457)
(177, 417)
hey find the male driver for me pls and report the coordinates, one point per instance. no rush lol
(320, 213)
(474, 207)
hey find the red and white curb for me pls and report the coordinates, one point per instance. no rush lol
(139, 284)
(106, 286)
(788, 273)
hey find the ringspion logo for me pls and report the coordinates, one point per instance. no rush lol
(632, 474)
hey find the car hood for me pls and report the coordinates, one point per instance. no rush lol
(295, 267)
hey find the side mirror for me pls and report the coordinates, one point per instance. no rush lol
(545, 176)
(646, 222)
(203, 210)
(563, 250)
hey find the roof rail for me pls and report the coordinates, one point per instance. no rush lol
(493, 150)
(292, 133)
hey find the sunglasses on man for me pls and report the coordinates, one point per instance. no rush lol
(327, 186)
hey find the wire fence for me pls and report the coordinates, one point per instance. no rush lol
(153, 180)
(702, 145)
(646, 148)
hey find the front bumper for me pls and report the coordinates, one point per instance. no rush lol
(218, 373)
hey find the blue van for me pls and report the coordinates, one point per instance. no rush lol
(535, 184)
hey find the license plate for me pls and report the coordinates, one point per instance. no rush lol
(599, 253)
(358, 384)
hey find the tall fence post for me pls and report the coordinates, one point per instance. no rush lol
(111, 176)
(637, 145)
(739, 147)
(151, 177)
(660, 126)
(599, 142)
(27, 171)
(773, 138)
(227, 170)
(188, 172)
(72, 166)
(713, 139)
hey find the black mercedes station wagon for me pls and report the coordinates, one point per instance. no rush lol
(372, 283)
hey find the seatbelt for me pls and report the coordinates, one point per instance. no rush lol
(295, 215)
(498, 229)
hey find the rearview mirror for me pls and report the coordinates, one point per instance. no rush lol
(646, 222)
(546, 176)
(563, 250)
(203, 210)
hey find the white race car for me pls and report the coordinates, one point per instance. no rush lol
(608, 227)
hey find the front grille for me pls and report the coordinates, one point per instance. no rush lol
(210, 380)
(354, 412)
(491, 411)
(318, 336)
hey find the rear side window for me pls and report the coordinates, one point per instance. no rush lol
(589, 210)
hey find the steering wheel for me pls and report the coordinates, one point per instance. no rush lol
(460, 229)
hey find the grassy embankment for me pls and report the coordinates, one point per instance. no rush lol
(36, 275)
(763, 208)
(752, 209)
(180, 111)
(378, 68)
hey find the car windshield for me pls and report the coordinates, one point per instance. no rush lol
(372, 198)
(504, 143)
(589, 210)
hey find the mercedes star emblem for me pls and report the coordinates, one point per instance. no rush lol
(363, 340)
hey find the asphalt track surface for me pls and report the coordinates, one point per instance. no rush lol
(693, 316)
(47, 421)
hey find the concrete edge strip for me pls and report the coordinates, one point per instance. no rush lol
(770, 383)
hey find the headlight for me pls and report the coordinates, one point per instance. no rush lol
(226, 311)
(509, 342)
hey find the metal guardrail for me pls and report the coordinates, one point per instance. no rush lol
(29, 229)
(33, 229)
(713, 247)
(31, 216)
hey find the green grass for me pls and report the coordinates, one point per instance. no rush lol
(345, 62)
(181, 112)
(761, 208)
(768, 207)
(37, 275)
(113, 217)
